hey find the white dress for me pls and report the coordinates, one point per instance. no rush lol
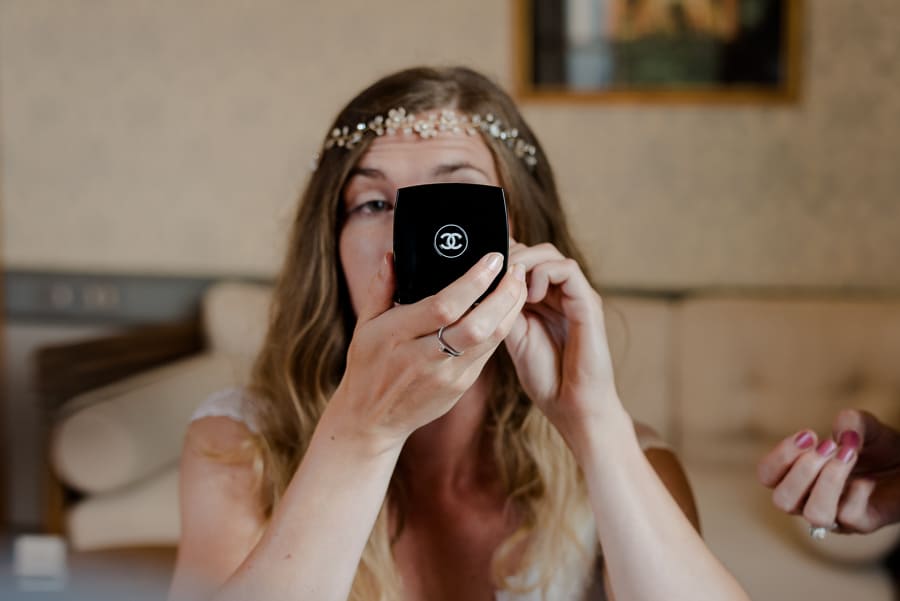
(572, 582)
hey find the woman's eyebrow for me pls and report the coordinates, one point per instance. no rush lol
(448, 168)
(366, 172)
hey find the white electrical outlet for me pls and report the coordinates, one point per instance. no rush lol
(39, 561)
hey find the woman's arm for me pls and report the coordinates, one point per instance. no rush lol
(649, 526)
(221, 517)
(321, 524)
(561, 355)
(669, 470)
(396, 380)
(332, 501)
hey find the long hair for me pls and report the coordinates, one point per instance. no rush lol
(311, 322)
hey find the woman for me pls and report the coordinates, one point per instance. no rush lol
(367, 462)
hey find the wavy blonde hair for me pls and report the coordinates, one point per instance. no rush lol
(311, 322)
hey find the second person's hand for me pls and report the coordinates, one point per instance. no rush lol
(850, 483)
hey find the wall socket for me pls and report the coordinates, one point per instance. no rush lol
(92, 297)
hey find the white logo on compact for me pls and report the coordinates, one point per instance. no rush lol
(451, 241)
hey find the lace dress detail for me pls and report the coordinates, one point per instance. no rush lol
(233, 403)
(577, 580)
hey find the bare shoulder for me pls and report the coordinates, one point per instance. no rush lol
(220, 469)
(217, 433)
(221, 513)
(669, 469)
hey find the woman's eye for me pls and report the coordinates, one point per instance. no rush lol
(373, 206)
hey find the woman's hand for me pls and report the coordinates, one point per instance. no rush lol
(397, 379)
(558, 343)
(851, 482)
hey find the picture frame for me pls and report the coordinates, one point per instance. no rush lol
(658, 51)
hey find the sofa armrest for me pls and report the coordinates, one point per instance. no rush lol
(66, 370)
(141, 515)
(107, 438)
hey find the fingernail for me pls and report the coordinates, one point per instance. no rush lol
(846, 454)
(849, 438)
(826, 447)
(519, 271)
(804, 440)
(495, 261)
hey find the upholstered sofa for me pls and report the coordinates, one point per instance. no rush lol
(721, 377)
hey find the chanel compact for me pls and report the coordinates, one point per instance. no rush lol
(442, 230)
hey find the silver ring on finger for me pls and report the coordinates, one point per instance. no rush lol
(819, 532)
(445, 347)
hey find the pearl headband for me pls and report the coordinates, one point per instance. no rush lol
(398, 121)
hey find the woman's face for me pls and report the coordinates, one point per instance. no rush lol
(391, 162)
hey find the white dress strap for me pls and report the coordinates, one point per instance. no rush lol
(231, 402)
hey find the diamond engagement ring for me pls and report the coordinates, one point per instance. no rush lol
(819, 532)
(446, 348)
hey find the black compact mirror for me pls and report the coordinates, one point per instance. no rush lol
(442, 230)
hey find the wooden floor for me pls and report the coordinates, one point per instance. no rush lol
(121, 575)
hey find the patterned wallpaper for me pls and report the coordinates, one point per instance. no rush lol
(167, 136)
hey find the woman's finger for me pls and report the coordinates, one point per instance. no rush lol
(821, 509)
(773, 467)
(512, 317)
(485, 326)
(793, 489)
(850, 420)
(565, 273)
(381, 291)
(853, 514)
(880, 443)
(515, 338)
(529, 256)
(447, 306)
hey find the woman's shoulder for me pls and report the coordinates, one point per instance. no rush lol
(219, 480)
(220, 439)
(232, 403)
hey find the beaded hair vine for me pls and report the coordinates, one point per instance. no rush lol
(398, 121)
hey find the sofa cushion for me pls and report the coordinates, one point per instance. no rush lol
(131, 429)
(639, 331)
(760, 546)
(143, 514)
(761, 369)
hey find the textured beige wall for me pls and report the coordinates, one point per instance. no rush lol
(173, 136)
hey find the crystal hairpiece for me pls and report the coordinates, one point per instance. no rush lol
(398, 121)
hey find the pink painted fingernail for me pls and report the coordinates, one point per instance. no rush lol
(846, 454)
(826, 447)
(849, 438)
(849, 444)
(804, 440)
(495, 261)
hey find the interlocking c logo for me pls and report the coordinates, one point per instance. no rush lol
(451, 241)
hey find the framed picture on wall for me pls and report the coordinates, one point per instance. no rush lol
(658, 50)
